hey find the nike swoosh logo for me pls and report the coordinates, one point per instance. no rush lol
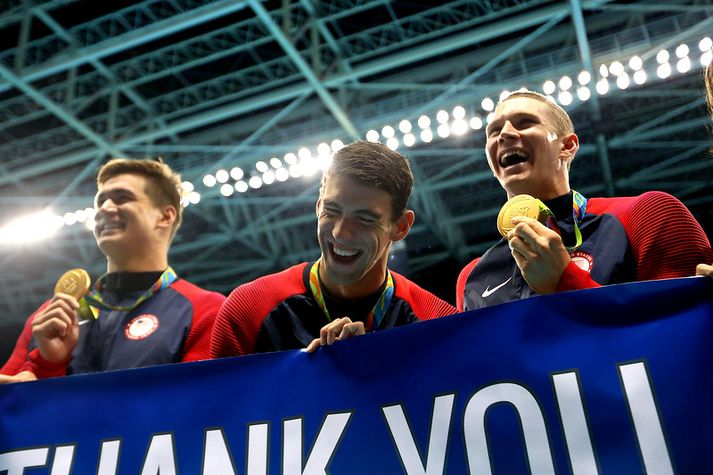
(82, 322)
(488, 291)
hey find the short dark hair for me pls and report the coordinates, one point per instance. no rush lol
(562, 121)
(163, 184)
(375, 165)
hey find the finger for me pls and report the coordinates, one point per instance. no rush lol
(71, 301)
(316, 343)
(333, 332)
(704, 269)
(328, 332)
(337, 328)
(519, 260)
(26, 376)
(347, 331)
(517, 245)
(323, 335)
(352, 329)
(55, 309)
(527, 233)
(53, 328)
(533, 223)
(59, 314)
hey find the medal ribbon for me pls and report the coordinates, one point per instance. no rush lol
(579, 208)
(90, 304)
(375, 315)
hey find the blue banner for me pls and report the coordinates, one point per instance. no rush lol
(611, 380)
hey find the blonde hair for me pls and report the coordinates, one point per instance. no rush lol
(562, 122)
(709, 88)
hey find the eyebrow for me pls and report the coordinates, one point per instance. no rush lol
(363, 212)
(513, 116)
(103, 195)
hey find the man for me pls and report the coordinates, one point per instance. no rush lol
(139, 313)
(705, 269)
(361, 210)
(588, 243)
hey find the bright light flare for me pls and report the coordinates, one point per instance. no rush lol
(31, 228)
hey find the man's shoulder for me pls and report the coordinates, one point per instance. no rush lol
(425, 304)
(619, 205)
(278, 285)
(194, 292)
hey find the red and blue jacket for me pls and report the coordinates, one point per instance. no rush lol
(647, 237)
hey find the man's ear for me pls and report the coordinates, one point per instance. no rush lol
(402, 226)
(570, 146)
(316, 206)
(168, 216)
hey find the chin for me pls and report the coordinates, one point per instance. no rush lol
(344, 275)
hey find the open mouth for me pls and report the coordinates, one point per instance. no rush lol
(514, 157)
(109, 227)
(344, 255)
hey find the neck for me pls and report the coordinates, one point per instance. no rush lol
(543, 194)
(133, 264)
(367, 285)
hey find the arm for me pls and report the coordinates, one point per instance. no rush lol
(205, 309)
(665, 238)
(22, 347)
(460, 284)
(56, 330)
(235, 332)
(11, 371)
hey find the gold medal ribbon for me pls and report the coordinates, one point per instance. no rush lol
(91, 303)
(375, 315)
(526, 205)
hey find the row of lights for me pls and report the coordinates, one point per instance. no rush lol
(304, 163)
(617, 72)
(460, 125)
(292, 165)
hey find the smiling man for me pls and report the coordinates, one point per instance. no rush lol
(349, 290)
(705, 268)
(140, 312)
(585, 242)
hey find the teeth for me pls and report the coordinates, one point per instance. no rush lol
(106, 227)
(344, 252)
(511, 157)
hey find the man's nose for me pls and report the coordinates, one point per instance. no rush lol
(342, 229)
(107, 206)
(508, 131)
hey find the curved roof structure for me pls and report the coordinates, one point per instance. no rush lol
(224, 84)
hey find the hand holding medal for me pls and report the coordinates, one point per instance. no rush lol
(76, 282)
(55, 327)
(536, 247)
(520, 205)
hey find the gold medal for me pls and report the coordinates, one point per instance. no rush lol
(519, 205)
(74, 282)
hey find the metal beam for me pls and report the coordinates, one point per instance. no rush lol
(133, 39)
(58, 111)
(306, 71)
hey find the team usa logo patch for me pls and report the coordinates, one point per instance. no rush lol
(141, 327)
(583, 260)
